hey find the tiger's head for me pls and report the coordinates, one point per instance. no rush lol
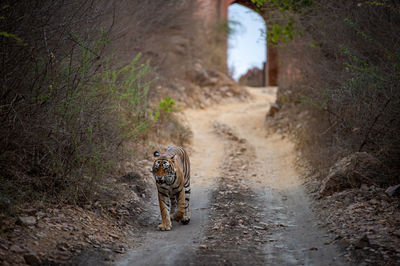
(164, 169)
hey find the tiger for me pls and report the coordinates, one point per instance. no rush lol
(171, 171)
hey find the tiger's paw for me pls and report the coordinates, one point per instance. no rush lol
(185, 220)
(178, 216)
(163, 227)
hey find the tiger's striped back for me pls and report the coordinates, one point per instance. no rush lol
(184, 161)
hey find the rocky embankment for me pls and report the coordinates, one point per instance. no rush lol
(37, 233)
(202, 87)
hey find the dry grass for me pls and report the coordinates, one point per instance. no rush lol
(71, 96)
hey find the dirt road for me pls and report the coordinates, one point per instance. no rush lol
(248, 204)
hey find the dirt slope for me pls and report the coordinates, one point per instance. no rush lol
(248, 204)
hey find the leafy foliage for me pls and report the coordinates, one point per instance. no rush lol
(166, 106)
(281, 26)
(280, 34)
(6, 34)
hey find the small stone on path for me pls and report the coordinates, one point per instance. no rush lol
(27, 220)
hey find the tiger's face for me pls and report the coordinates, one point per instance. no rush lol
(163, 170)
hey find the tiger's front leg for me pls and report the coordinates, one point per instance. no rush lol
(165, 206)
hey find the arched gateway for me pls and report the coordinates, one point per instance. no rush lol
(271, 66)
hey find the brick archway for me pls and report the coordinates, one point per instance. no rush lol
(271, 66)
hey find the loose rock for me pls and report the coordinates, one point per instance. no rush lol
(363, 242)
(32, 259)
(393, 190)
(27, 220)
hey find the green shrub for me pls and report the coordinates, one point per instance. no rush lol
(166, 106)
(167, 125)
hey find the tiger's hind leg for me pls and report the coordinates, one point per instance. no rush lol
(186, 215)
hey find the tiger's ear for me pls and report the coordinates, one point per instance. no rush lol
(156, 154)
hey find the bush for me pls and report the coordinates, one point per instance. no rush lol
(66, 110)
(343, 68)
(164, 108)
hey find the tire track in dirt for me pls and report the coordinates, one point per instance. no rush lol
(235, 234)
(278, 226)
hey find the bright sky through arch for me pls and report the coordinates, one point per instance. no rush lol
(246, 46)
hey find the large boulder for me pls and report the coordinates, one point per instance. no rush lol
(206, 77)
(353, 171)
(199, 76)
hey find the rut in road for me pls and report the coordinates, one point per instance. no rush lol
(248, 205)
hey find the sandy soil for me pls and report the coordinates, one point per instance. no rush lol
(248, 203)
